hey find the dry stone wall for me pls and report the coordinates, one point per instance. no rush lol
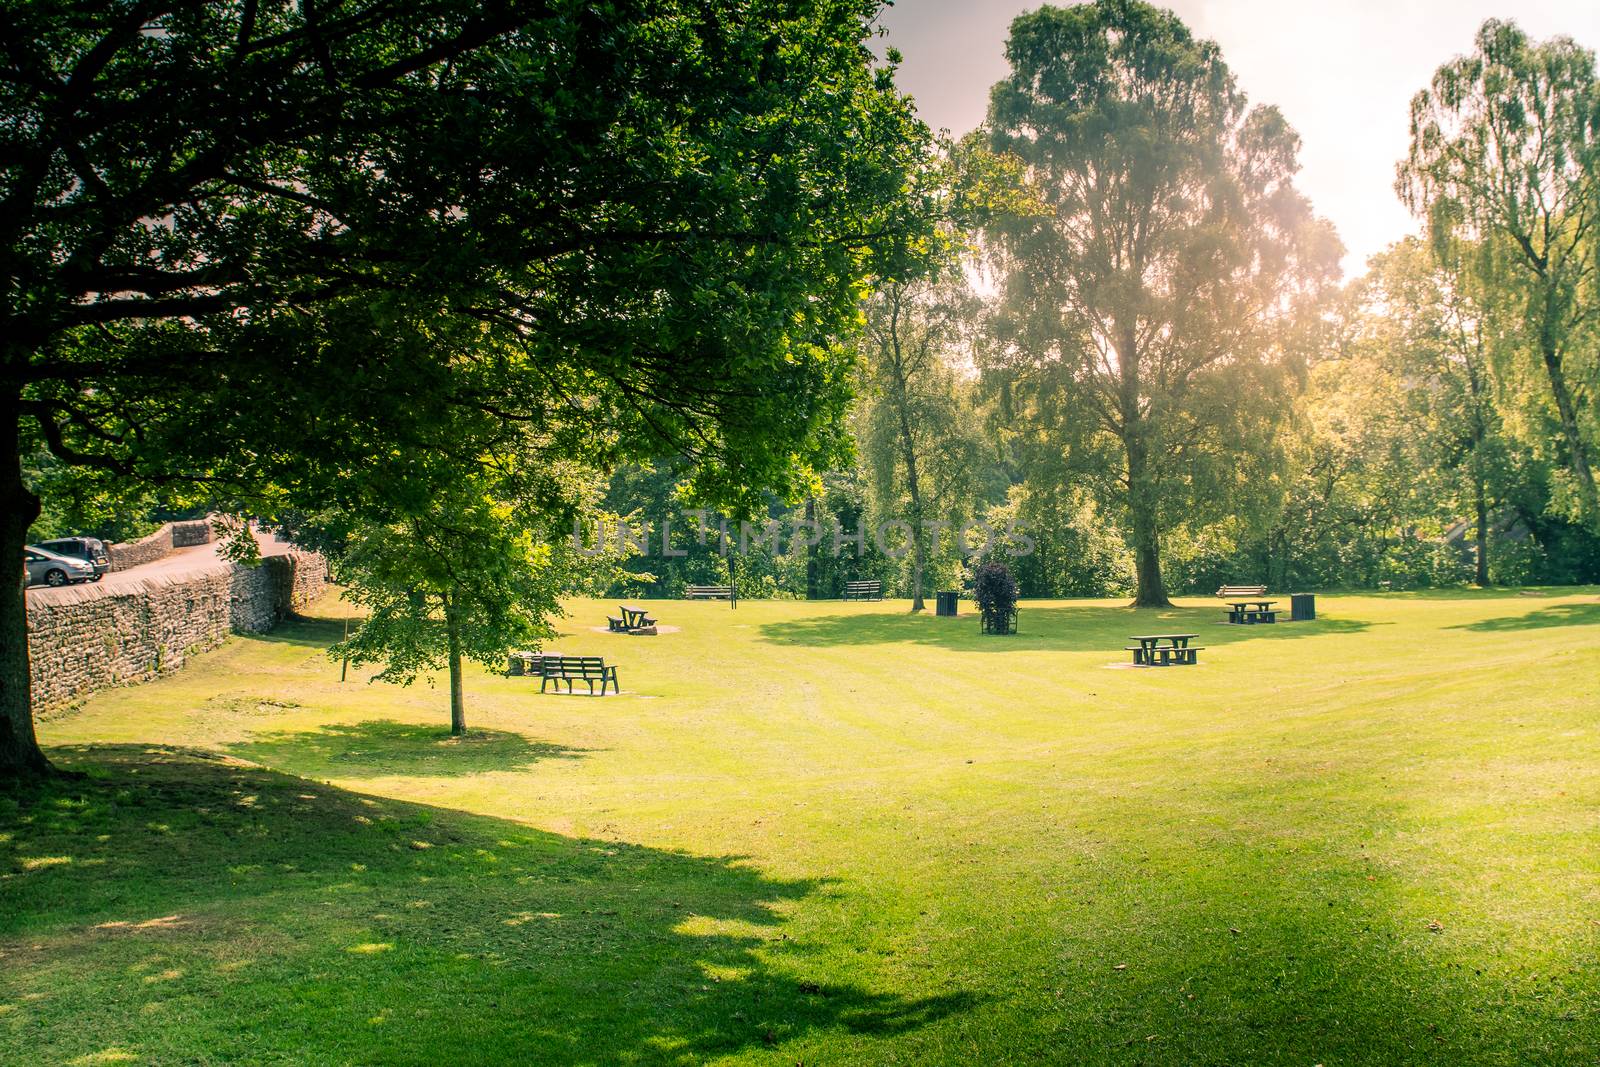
(158, 545)
(187, 534)
(128, 554)
(88, 637)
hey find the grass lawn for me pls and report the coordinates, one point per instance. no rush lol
(835, 833)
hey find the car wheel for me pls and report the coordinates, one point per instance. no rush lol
(56, 577)
(97, 577)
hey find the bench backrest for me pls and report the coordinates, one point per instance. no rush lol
(709, 590)
(573, 666)
(863, 585)
(1242, 590)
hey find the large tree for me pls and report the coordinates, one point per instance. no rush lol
(1175, 245)
(1505, 156)
(270, 249)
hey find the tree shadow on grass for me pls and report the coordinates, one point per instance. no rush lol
(1554, 615)
(382, 747)
(312, 632)
(1065, 629)
(281, 919)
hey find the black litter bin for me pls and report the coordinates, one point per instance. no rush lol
(946, 601)
(1302, 607)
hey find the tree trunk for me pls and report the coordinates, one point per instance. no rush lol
(1480, 437)
(458, 701)
(919, 555)
(812, 564)
(1481, 501)
(908, 453)
(20, 756)
(1151, 591)
(1578, 453)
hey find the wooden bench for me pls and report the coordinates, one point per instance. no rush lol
(571, 669)
(863, 590)
(1242, 590)
(1177, 651)
(710, 592)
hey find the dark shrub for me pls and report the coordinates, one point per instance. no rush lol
(995, 591)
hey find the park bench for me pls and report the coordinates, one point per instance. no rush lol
(1164, 650)
(710, 592)
(863, 590)
(571, 669)
(1242, 590)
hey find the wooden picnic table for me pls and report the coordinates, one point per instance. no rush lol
(633, 615)
(1150, 652)
(1247, 612)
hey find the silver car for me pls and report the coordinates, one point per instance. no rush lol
(52, 568)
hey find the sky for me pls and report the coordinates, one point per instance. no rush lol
(1343, 73)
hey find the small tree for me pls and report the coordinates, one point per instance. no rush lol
(995, 590)
(919, 432)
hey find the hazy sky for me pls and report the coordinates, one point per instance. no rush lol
(1342, 71)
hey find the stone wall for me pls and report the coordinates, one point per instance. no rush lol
(126, 554)
(88, 637)
(188, 534)
(159, 545)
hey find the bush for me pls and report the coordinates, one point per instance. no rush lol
(995, 591)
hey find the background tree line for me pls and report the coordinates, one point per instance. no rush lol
(1146, 363)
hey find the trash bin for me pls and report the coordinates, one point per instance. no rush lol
(1302, 607)
(946, 601)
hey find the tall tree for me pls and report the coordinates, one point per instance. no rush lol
(1174, 246)
(1505, 154)
(918, 424)
(257, 247)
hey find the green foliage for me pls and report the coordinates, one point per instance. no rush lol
(1070, 549)
(1505, 158)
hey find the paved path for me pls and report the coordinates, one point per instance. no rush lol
(183, 562)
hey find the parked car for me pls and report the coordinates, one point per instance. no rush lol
(52, 568)
(90, 549)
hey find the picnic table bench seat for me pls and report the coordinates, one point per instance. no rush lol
(865, 590)
(569, 669)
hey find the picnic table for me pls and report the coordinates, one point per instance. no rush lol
(1152, 652)
(633, 618)
(1247, 612)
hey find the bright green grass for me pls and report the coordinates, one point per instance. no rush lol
(830, 833)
